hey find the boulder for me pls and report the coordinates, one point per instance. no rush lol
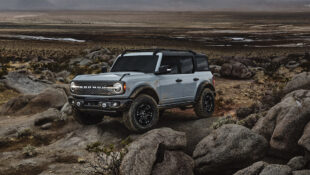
(174, 162)
(297, 163)
(299, 81)
(142, 153)
(24, 84)
(301, 172)
(227, 149)
(31, 104)
(47, 116)
(284, 123)
(236, 70)
(254, 169)
(274, 169)
(66, 111)
(304, 141)
(15, 104)
(215, 68)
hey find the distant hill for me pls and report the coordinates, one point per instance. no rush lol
(155, 4)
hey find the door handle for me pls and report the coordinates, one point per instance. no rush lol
(196, 79)
(178, 80)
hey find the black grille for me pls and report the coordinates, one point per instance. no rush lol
(92, 88)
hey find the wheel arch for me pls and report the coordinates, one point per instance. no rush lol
(145, 89)
(202, 86)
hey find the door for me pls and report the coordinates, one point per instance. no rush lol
(170, 89)
(189, 81)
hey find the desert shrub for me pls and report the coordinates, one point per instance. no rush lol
(29, 151)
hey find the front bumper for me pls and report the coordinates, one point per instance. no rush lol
(104, 105)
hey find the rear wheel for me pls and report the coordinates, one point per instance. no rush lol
(204, 107)
(86, 118)
(143, 114)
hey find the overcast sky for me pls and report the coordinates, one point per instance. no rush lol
(154, 4)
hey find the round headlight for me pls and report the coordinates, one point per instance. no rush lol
(72, 86)
(118, 88)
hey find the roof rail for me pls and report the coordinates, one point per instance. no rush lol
(155, 51)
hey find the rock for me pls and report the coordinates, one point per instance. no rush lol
(292, 64)
(22, 83)
(254, 169)
(236, 70)
(48, 75)
(301, 172)
(228, 148)
(75, 61)
(244, 112)
(215, 68)
(300, 81)
(63, 169)
(304, 141)
(46, 126)
(174, 162)
(15, 104)
(47, 116)
(276, 170)
(297, 163)
(283, 125)
(85, 62)
(65, 111)
(142, 153)
(50, 98)
(251, 120)
(195, 130)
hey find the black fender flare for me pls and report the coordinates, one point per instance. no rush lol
(145, 89)
(202, 86)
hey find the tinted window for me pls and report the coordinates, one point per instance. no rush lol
(186, 65)
(144, 64)
(202, 64)
(172, 63)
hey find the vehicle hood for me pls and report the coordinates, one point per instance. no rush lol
(111, 76)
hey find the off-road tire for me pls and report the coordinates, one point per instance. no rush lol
(130, 117)
(200, 108)
(86, 118)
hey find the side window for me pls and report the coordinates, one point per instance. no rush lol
(186, 65)
(172, 63)
(202, 63)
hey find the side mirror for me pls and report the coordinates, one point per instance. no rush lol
(104, 69)
(164, 69)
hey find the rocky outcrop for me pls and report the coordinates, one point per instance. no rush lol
(236, 70)
(284, 123)
(254, 169)
(300, 81)
(30, 104)
(47, 116)
(297, 163)
(228, 148)
(23, 83)
(145, 151)
(304, 141)
(174, 162)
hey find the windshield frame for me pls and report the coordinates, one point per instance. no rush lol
(157, 57)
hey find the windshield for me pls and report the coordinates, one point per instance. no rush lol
(146, 64)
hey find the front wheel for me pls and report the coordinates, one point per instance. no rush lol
(86, 118)
(143, 114)
(204, 106)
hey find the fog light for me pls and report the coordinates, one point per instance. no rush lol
(72, 102)
(115, 104)
(78, 104)
(104, 105)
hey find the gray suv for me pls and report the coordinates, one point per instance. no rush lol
(141, 85)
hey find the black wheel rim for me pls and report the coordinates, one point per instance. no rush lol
(144, 114)
(208, 103)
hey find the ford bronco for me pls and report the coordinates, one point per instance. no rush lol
(141, 85)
